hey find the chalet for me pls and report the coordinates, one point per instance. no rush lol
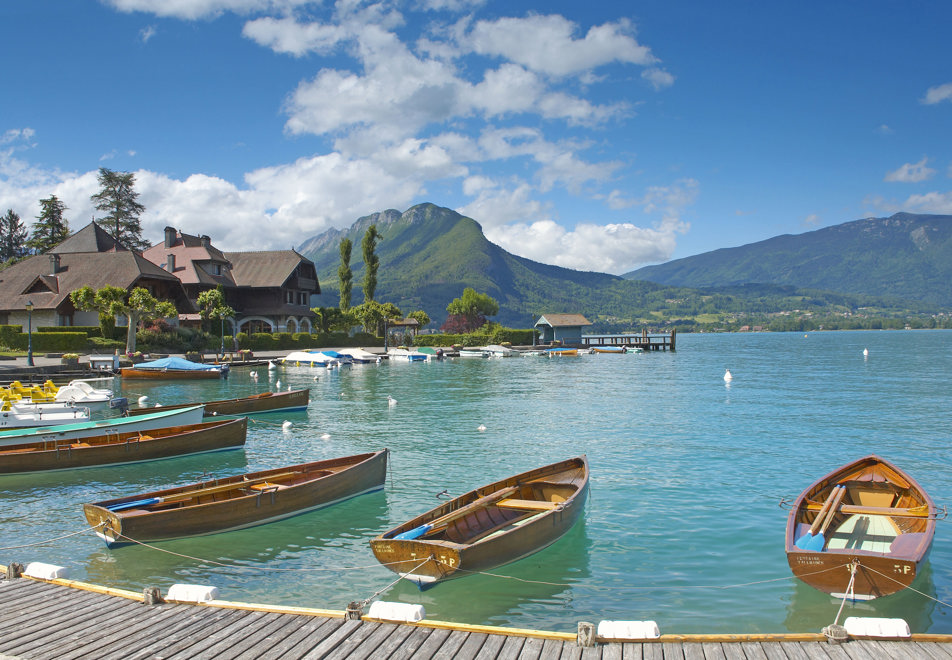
(270, 291)
(564, 328)
(89, 257)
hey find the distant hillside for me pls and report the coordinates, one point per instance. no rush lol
(904, 256)
(429, 254)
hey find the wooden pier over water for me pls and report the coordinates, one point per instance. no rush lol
(66, 620)
(643, 341)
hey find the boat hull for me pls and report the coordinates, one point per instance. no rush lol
(192, 415)
(128, 447)
(879, 533)
(131, 373)
(497, 534)
(266, 402)
(236, 503)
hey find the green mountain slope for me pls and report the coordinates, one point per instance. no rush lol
(904, 256)
(429, 254)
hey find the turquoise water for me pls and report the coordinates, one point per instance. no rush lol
(683, 524)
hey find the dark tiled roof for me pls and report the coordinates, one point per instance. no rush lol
(33, 280)
(91, 238)
(264, 269)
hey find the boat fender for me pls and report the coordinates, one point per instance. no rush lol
(38, 569)
(866, 626)
(397, 612)
(192, 593)
(627, 630)
(414, 533)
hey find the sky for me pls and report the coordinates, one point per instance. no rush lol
(597, 136)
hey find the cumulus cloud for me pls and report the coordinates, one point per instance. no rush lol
(286, 35)
(933, 202)
(911, 173)
(938, 94)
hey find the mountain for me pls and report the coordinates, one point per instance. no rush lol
(903, 256)
(429, 254)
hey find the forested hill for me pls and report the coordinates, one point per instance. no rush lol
(903, 256)
(429, 254)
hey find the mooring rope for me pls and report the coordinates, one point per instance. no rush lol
(57, 538)
(849, 594)
(401, 577)
(924, 595)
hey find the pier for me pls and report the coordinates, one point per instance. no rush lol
(64, 619)
(644, 341)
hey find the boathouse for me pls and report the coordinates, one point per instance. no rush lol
(563, 328)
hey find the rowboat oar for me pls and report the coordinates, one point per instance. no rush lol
(445, 519)
(191, 494)
(817, 543)
(804, 540)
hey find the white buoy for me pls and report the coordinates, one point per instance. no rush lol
(325, 436)
(277, 384)
(391, 401)
(271, 365)
(728, 376)
(316, 378)
(286, 425)
(289, 388)
(481, 427)
(865, 352)
(143, 399)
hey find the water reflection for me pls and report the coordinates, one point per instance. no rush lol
(810, 609)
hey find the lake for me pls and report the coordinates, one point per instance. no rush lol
(683, 525)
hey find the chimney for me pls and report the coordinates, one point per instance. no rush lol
(54, 264)
(170, 263)
(169, 236)
(206, 241)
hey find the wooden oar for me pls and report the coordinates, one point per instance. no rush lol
(445, 519)
(817, 543)
(804, 540)
(191, 494)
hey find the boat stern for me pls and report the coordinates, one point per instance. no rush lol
(420, 562)
(106, 524)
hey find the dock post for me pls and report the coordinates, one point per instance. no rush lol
(674, 332)
(354, 611)
(586, 634)
(14, 570)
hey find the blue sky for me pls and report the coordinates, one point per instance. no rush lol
(597, 136)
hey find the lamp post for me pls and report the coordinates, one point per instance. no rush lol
(222, 318)
(29, 333)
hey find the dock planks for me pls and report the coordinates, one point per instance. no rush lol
(40, 620)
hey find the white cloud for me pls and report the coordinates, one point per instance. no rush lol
(812, 220)
(286, 35)
(933, 202)
(659, 78)
(547, 44)
(195, 9)
(147, 33)
(938, 94)
(911, 173)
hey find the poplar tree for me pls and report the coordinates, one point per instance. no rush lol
(371, 262)
(345, 275)
(12, 236)
(119, 200)
(51, 227)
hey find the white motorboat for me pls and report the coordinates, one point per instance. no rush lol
(27, 415)
(310, 359)
(360, 356)
(406, 355)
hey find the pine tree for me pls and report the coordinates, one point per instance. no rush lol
(12, 237)
(51, 227)
(345, 275)
(118, 199)
(371, 262)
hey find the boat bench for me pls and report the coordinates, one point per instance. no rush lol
(527, 505)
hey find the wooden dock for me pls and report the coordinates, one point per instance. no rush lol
(643, 341)
(67, 620)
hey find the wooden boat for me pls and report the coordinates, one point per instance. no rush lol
(266, 402)
(861, 530)
(617, 350)
(174, 368)
(127, 447)
(236, 502)
(114, 425)
(559, 352)
(489, 526)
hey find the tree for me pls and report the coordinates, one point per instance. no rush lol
(330, 319)
(12, 237)
(118, 199)
(371, 262)
(421, 317)
(212, 306)
(50, 228)
(372, 315)
(472, 308)
(345, 275)
(138, 305)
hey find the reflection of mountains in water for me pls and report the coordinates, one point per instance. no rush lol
(333, 536)
(540, 578)
(810, 610)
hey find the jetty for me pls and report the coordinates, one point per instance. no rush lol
(65, 619)
(644, 341)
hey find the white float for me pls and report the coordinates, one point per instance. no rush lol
(867, 626)
(400, 612)
(192, 593)
(38, 569)
(628, 630)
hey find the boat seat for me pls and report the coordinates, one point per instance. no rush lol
(267, 486)
(505, 528)
(79, 445)
(527, 505)
(864, 532)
